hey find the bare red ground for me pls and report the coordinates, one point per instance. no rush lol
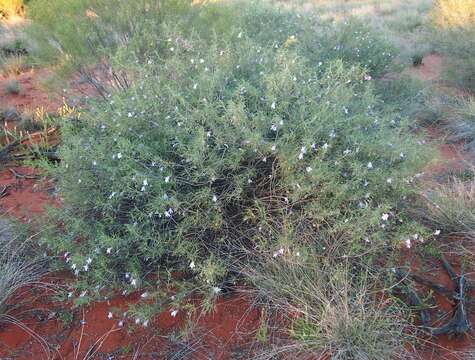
(24, 198)
(91, 334)
(32, 94)
(430, 69)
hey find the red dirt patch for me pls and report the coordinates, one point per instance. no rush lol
(430, 69)
(32, 95)
(92, 334)
(24, 197)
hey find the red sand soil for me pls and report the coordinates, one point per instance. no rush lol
(430, 69)
(32, 95)
(91, 334)
(25, 196)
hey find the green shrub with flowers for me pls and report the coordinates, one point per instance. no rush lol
(232, 136)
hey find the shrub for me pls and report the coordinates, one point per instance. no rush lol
(230, 136)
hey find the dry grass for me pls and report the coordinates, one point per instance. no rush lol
(454, 13)
(332, 312)
(11, 8)
(451, 207)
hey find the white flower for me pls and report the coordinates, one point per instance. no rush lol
(73, 266)
(385, 217)
(70, 295)
(401, 155)
(273, 105)
(167, 179)
(309, 169)
(202, 61)
(109, 250)
(215, 198)
(86, 268)
(389, 181)
(192, 265)
(145, 323)
(367, 77)
(273, 148)
(119, 155)
(144, 295)
(195, 86)
(240, 35)
(325, 146)
(121, 323)
(273, 127)
(174, 313)
(137, 321)
(88, 261)
(217, 290)
(110, 315)
(370, 165)
(300, 156)
(133, 282)
(408, 243)
(94, 163)
(279, 252)
(145, 182)
(437, 232)
(83, 293)
(169, 213)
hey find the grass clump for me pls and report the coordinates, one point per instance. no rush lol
(451, 207)
(12, 65)
(20, 267)
(13, 87)
(333, 312)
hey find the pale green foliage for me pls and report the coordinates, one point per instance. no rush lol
(231, 136)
